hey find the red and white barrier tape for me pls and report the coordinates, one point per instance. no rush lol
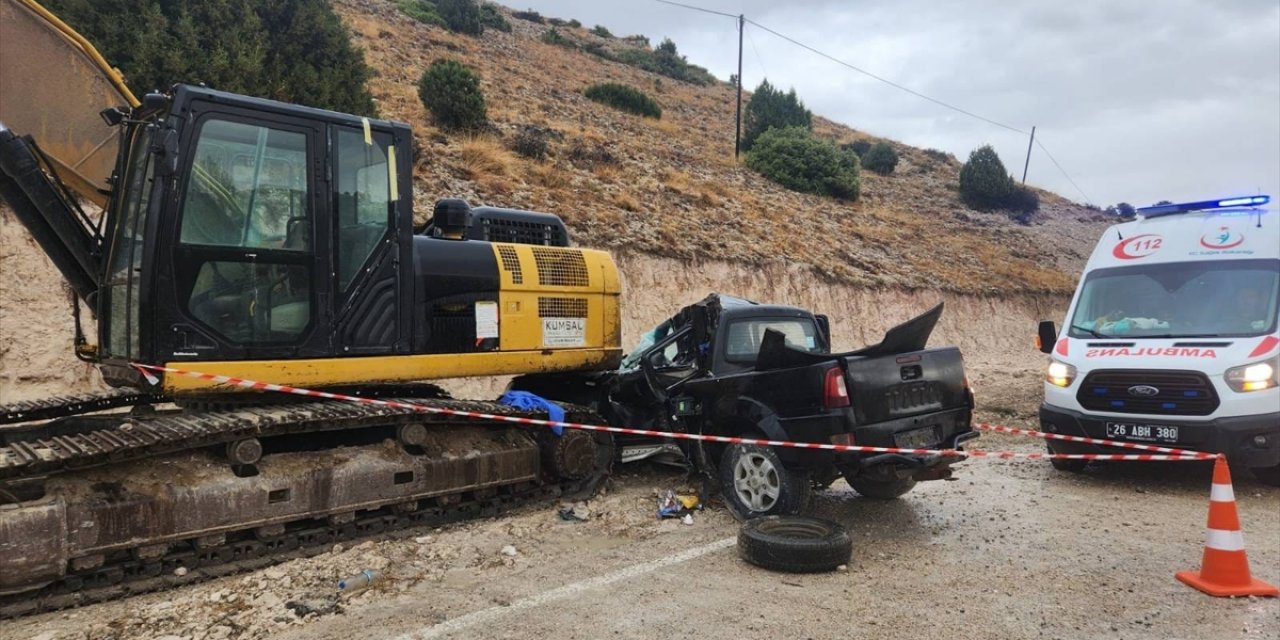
(974, 453)
(982, 426)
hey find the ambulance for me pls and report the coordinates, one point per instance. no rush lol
(1171, 337)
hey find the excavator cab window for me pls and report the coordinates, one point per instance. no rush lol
(124, 268)
(363, 199)
(246, 228)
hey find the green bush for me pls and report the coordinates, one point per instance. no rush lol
(793, 158)
(462, 16)
(423, 11)
(620, 96)
(857, 147)
(770, 108)
(938, 154)
(601, 31)
(492, 18)
(664, 60)
(528, 16)
(553, 36)
(880, 158)
(1023, 202)
(451, 92)
(575, 24)
(532, 142)
(984, 182)
(291, 50)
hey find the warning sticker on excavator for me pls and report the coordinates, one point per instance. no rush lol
(564, 332)
(486, 319)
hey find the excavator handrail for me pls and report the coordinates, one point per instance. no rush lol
(112, 74)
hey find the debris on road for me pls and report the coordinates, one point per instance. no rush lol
(578, 512)
(358, 581)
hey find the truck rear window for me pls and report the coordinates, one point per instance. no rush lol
(745, 336)
(1217, 298)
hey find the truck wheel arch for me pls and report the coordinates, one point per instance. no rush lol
(748, 415)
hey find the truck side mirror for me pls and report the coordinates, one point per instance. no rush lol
(1046, 336)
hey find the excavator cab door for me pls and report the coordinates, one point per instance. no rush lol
(246, 261)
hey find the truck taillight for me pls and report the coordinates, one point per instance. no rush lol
(834, 392)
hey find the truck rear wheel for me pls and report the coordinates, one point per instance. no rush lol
(880, 488)
(755, 483)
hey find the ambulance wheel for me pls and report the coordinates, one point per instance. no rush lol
(1268, 475)
(1072, 466)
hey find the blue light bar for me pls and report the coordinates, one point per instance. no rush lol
(1228, 203)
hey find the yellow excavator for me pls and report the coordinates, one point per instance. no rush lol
(236, 236)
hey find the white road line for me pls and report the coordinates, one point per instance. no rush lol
(488, 615)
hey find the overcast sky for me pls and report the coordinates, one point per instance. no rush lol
(1139, 101)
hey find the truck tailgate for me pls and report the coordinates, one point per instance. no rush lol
(905, 384)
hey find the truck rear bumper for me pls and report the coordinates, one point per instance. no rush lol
(1251, 441)
(939, 430)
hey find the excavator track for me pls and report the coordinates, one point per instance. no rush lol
(126, 575)
(99, 507)
(96, 440)
(62, 406)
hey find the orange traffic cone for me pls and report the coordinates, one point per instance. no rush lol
(1224, 571)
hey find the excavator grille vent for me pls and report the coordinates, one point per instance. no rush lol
(511, 263)
(561, 267)
(562, 307)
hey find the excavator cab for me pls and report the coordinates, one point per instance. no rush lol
(248, 237)
(246, 229)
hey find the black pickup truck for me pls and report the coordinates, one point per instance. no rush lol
(732, 367)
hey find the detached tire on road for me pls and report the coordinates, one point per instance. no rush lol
(795, 544)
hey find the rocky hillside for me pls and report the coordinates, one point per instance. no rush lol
(669, 200)
(671, 187)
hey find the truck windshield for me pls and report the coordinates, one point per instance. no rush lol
(743, 337)
(1209, 299)
(650, 338)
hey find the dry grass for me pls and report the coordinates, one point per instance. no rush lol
(624, 201)
(602, 163)
(484, 156)
(553, 177)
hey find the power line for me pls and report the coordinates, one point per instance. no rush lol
(886, 80)
(1087, 199)
(689, 6)
(757, 52)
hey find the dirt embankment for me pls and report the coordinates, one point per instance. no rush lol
(994, 331)
(36, 330)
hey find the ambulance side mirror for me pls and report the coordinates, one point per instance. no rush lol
(1046, 336)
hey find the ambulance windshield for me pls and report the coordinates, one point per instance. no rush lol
(1207, 299)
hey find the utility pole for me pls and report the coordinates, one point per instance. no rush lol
(1028, 162)
(737, 120)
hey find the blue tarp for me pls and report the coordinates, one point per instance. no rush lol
(531, 402)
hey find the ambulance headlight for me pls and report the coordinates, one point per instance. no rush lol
(1060, 374)
(1253, 377)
